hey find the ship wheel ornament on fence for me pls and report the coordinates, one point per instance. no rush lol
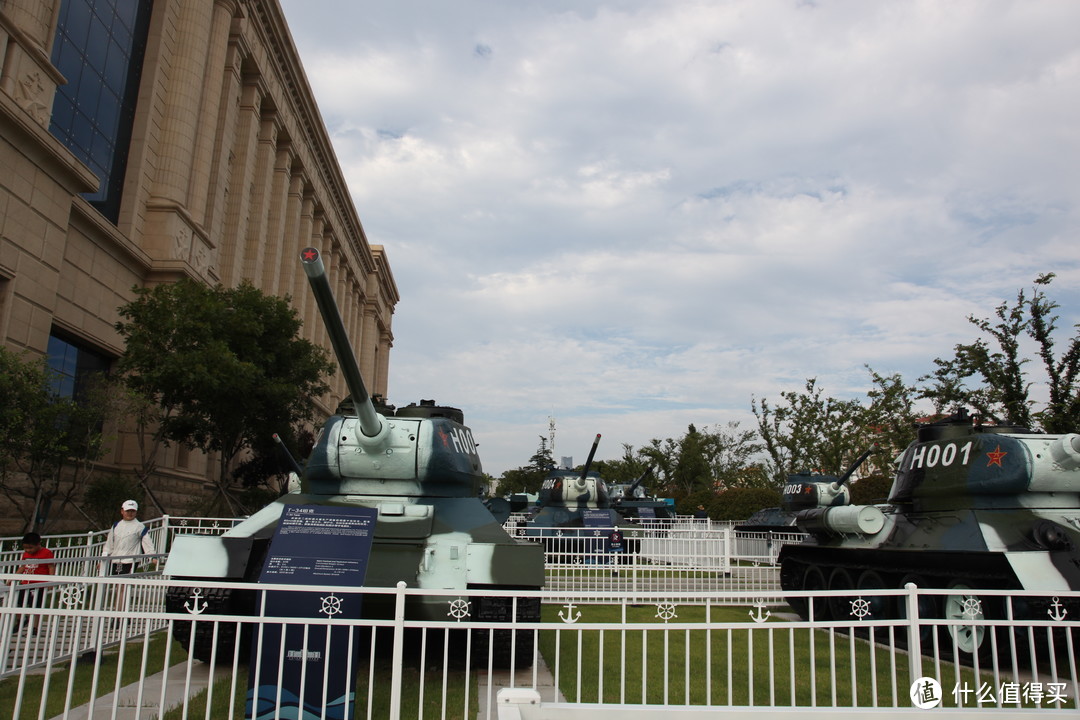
(665, 611)
(459, 609)
(73, 595)
(331, 605)
(860, 608)
(972, 607)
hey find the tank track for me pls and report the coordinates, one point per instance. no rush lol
(212, 601)
(863, 570)
(510, 648)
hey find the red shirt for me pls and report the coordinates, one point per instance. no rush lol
(42, 553)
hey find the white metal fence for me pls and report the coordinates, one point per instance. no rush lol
(684, 555)
(102, 649)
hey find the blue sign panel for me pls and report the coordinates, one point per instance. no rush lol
(596, 518)
(646, 512)
(302, 671)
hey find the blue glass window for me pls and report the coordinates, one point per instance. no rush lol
(99, 50)
(73, 366)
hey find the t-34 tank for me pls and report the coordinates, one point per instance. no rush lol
(574, 515)
(417, 467)
(634, 502)
(972, 507)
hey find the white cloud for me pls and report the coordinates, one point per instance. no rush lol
(637, 215)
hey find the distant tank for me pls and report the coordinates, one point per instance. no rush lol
(802, 491)
(418, 467)
(972, 507)
(573, 511)
(634, 501)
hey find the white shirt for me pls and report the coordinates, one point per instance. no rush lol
(128, 537)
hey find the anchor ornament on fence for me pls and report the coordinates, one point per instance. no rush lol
(193, 607)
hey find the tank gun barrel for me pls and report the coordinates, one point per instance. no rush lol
(641, 478)
(370, 423)
(856, 465)
(592, 452)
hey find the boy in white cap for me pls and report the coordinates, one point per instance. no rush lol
(127, 538)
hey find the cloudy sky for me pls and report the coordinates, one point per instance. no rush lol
(635, 215)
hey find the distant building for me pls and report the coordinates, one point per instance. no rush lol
(143, 141)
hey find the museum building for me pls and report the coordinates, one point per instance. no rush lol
(142, 141)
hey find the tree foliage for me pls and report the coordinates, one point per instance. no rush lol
(741, 503)
(527, 478)
(818, 433)
(48, 444)
(224, 366)
(704, 460)
(990, 374)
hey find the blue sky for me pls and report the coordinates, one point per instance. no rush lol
(637, 215)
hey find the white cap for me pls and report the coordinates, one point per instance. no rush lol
(129, 505)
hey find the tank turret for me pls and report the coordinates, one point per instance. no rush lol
(634, 501)
(418, 468)
(570, 509)
(971, 507)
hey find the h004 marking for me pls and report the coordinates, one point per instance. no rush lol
(945, 455)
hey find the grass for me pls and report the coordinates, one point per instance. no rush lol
(54, 687)
(652, 664)
(791, 667)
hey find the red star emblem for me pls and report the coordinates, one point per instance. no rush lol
(444, 437)
(310, 254)
(996, 457)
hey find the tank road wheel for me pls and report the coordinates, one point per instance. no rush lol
(791, 577)
(881, 607)
(813, 581)
(213, 601)
(840, 606)
(968, 641)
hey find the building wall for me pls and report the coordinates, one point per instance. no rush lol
(230, 172)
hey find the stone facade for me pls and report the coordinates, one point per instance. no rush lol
(230, 172)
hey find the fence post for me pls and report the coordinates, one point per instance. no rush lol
(166, 533)
(914, 635)
(88, 565)
(399, 645)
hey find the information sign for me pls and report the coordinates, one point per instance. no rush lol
(298, 670)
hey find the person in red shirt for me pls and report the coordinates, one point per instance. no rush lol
(30, 596)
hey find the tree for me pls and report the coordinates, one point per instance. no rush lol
(871, 489)
(741, 503)
(891, 419)
(48, 444)
(730, 453)
(225, 367)
(527, 478)
(692, 471)
(626, 469)
(811, 432)
(990, 377)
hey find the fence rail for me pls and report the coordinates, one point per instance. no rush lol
(110, 640)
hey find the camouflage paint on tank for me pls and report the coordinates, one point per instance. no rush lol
(989, 507)
(418, 466)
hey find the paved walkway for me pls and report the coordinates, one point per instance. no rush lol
(545, 685)
(127, 702)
